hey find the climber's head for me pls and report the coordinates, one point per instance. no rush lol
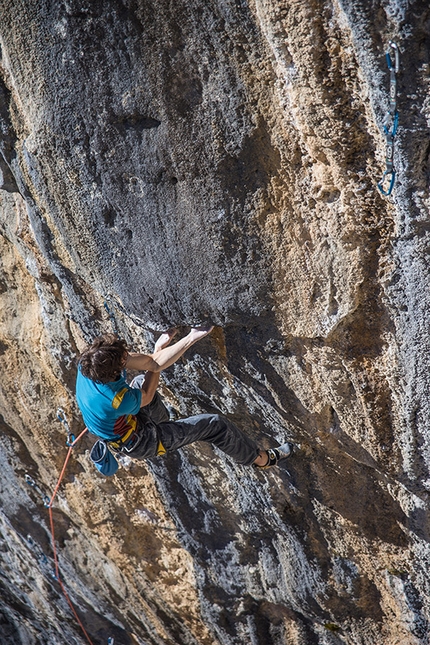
(104, 359)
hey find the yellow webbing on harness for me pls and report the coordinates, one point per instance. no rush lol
(160, 449)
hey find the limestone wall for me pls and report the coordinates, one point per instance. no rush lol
(217, 161)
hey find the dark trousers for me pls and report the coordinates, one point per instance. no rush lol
(153, 426)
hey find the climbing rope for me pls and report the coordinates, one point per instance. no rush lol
(56, 574)
(71, 441)
(391, 122)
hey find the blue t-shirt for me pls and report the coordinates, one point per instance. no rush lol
(108, 409)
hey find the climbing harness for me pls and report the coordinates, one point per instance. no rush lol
(391, 122)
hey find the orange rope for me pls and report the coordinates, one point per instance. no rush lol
(54, 548)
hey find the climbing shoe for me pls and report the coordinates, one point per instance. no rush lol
(276, 454)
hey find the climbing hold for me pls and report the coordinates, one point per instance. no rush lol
(391, 122)
(332, 627)
(147, 515)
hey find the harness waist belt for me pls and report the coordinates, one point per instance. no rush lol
(117, 444)
(132, 438)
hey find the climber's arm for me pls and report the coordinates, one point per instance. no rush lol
(149, 387)
(141, 362)
(163, 358)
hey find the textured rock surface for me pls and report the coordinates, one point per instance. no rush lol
(218, 161)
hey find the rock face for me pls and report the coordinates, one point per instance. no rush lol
(217, 161)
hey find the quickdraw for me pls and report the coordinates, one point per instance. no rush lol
(61, 416)
(30, 481)
(391, 122)
(111, 315)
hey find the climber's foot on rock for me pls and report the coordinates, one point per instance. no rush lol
(271, 457)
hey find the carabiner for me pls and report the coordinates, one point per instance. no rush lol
(61, 416)
(29, 480)
(70, 440)
(396, 65)
(106, 306)
(386, 174)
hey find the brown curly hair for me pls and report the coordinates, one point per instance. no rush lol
(103, 360)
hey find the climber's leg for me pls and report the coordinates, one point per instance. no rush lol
(211, 428)
(219, 431)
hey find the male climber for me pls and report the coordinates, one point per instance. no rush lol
(133, 419)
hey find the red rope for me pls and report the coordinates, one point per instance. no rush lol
(54, 548)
